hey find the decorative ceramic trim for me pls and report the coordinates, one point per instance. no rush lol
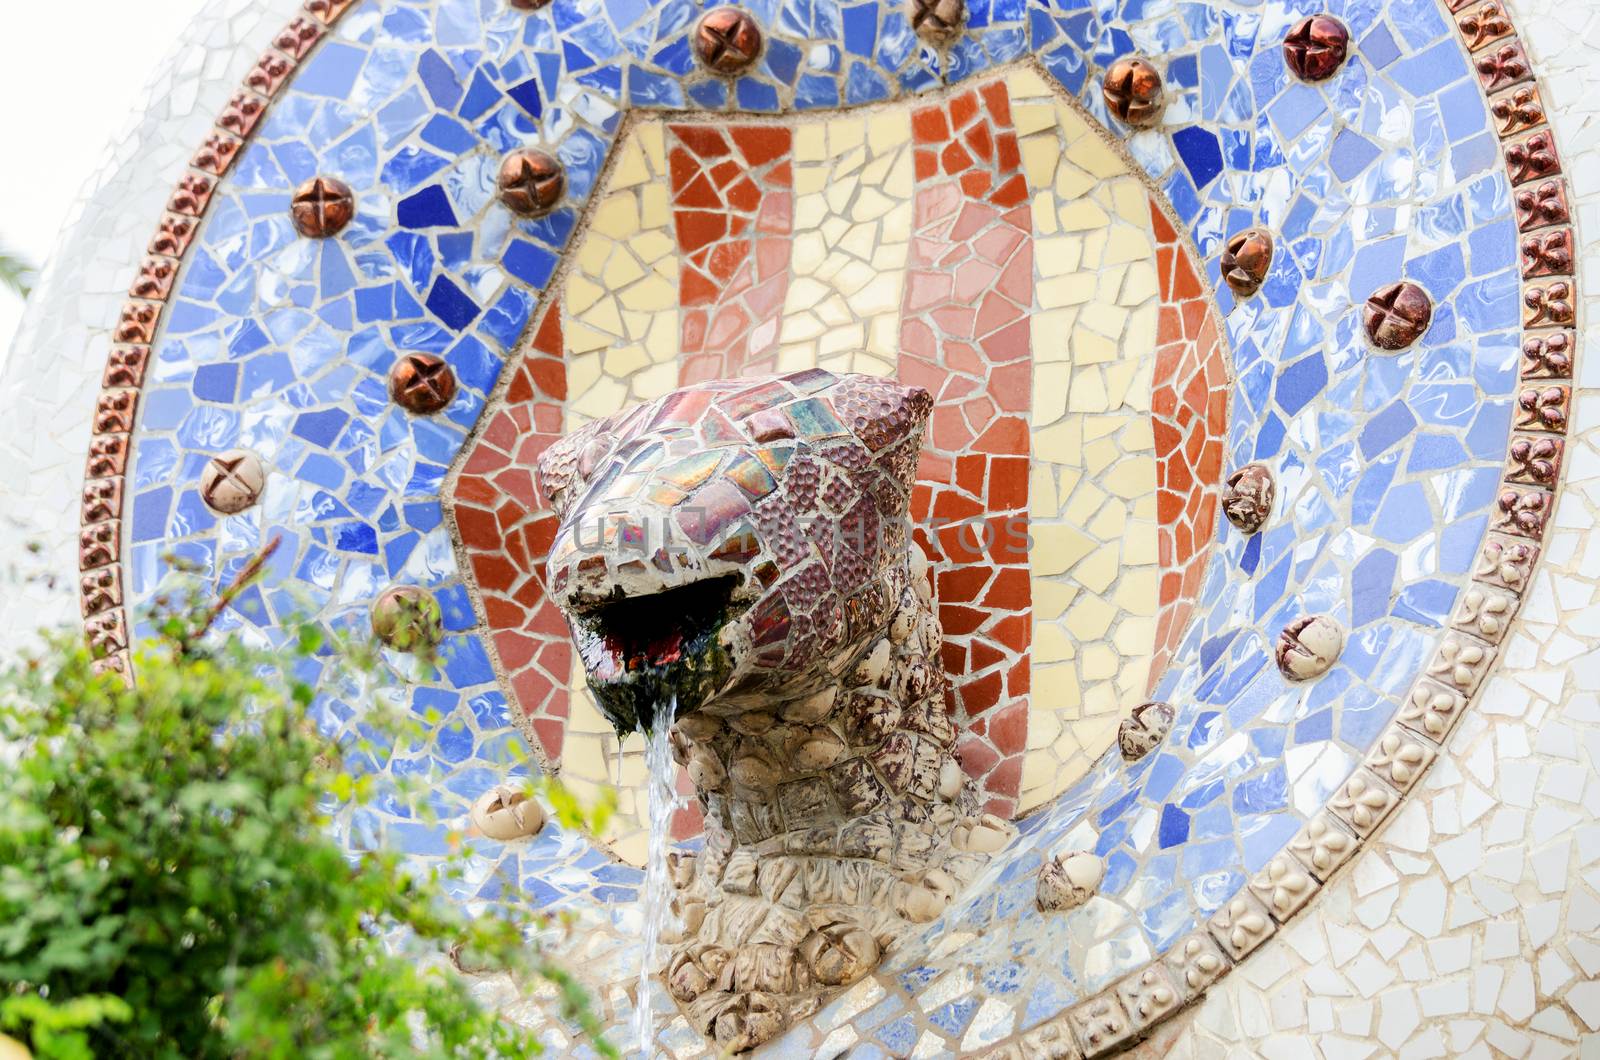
(533, 386)
(100, 543)
(1102, 1023)
(1501, 578)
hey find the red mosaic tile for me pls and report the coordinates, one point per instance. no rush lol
(1190, 417)
(969, 290)
(506, 531)
(733, 207)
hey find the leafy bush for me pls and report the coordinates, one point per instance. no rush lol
(168, 888)
(16, 274)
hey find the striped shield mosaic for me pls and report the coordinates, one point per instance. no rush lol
(1010, 494)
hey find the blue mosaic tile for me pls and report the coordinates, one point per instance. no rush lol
(272, 346)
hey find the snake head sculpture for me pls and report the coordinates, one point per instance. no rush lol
(731, 541)
(742, 549)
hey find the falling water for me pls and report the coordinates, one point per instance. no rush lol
(660, 774)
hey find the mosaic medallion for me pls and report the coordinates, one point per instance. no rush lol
(1247, 346)
(1072, 406)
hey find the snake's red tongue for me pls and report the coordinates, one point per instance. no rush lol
(638, 650)
(663, 648)
(659, 629)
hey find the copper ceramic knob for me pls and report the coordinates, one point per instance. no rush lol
(421, 383)
(1246, 260)
(1397, 316)
(1133, 93)
(727, 40)
(1317, 47)
(531, 182)
(321, 207)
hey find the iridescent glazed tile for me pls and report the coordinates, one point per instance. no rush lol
(1388, 466)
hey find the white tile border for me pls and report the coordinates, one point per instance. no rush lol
(1470, 924)
(53, 367)
(1470, 927)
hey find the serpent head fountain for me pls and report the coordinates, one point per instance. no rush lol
(743, 547)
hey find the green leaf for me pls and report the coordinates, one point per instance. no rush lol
(168, 883)
(16, 275)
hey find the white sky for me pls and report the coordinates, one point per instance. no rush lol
(71, 74)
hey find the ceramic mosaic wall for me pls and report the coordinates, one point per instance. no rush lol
(959, 217)
(1095, 311)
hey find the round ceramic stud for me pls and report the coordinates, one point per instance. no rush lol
(1246, 260)
(1397, 316)
(408, 619)
(1309, 646)
(1317, 47)
(505, 813)
(1247, 498)
(531, 181)
(321, 207)
(1069, 879)
(232, 481)
(1133, 92)
(1143, 729)
(727, 41)
(421, 383)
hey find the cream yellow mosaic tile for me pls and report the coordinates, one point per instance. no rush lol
(1092, 513)
(1093, 332)
(594, 758)
(619, 306)
(620, 325)
(853, 182)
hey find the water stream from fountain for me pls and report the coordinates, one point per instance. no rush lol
(660, 778)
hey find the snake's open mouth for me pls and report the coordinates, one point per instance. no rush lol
(640, 652)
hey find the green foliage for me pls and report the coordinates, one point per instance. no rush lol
(61, 1030)
(572, 815)
(168, 888)
(16, 275)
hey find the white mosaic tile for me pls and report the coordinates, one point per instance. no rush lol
(1433, 881)
(54, 362)
(1500, 925)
